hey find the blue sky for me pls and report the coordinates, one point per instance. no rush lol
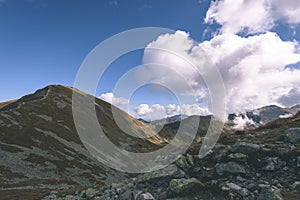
(44, 42)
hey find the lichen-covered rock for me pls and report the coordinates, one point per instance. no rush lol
(292, 135)
(269, 193)
(245, 148)
(181, 186)
(185, 163)
(230, 167)
(190, 159)
(238, 156)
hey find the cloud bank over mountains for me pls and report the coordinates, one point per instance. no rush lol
(251, 58)
(157, 111)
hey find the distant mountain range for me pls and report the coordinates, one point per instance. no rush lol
(167, 120)
(41, 151)
(260, 116)
(248, 119)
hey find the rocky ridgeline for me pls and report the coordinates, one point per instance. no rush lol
(243, 170)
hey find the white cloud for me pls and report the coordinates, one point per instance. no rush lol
(158, 111)
(142, 110)
(151, 113)
(174, 52)
(242, 122)
(253, 68)
(287, 10)
(238, 15)
(110, 98)
(252, 16)
(193, 109)
(291, 98)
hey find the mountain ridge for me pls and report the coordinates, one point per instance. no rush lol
(38, 132)
(42, 152)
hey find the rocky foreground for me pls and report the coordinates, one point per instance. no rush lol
(42, 156)
(262, 164)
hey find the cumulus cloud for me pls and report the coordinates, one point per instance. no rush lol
(287, 10)
(242, 122)
(179, 69)
(158, 111)
(291, 98)
(252, 16)
(110, 98)
(253, 68)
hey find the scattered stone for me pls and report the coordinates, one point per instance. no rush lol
(273, 163)
(91, 192)
(233, 186)
(128, 195)
(190, 159)
(167, 173)
(50, 197)
(244, 192)
(244, 148)
(240, 179)
(264, 185)
(296, 185)
(179, 186)
(145, 196)
(230, 167)
(235, 189)
(225, 188)
(270, 193)
(238, 156)
(70, 197)
(292, 135)
(251, 186)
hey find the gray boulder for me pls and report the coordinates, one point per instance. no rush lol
(166, 173)
(145, 196)
(273, 164)
(245, 148)
(230, 167)
(180, 186)
(292, 135)
(185, 163)
(270, 193)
